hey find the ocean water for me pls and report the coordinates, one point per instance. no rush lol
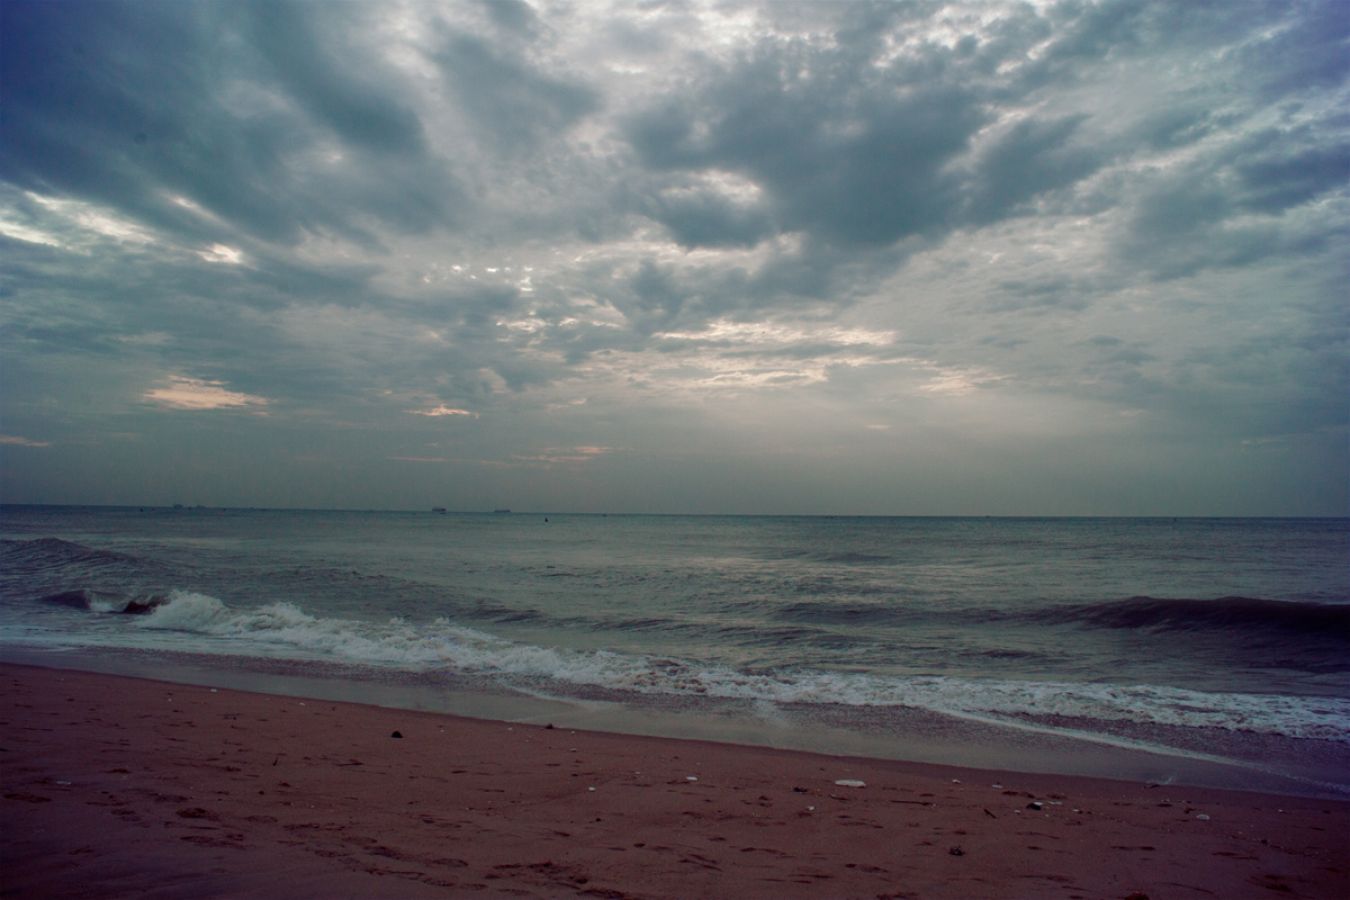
(1203, 650)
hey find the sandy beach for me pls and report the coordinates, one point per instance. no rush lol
(117, 786)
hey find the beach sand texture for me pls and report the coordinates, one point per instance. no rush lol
(116, 787)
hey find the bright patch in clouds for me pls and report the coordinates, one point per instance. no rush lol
(95, 219)
(768, 333)
(562, 456)
(15, 440)
(220, 253)
(22, 232)
(182, 392)
(442, 410)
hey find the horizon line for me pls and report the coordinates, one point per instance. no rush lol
(201, 507)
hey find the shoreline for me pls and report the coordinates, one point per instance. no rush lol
(115, 785)
(1227, 760)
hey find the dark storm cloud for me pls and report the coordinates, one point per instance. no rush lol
(1055, 295)
(697, 216)
(516, 103)
(1035, 156)
(1305, 52)
(319, 76)
(226, 105)
(854, 151)
(859, 151)
(841, 154)
(1240, 205)
(93, 107)
(1286, 172)
(512, 15)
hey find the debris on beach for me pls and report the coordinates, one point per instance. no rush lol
(850, 782)
(396, 734)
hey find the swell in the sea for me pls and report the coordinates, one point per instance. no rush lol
(28, 557)
(1244, 614)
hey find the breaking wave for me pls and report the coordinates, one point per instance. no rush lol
(285, 629)
(97, 601)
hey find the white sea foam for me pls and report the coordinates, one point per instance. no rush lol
(101, 604)
(283, 628)
(188, 611)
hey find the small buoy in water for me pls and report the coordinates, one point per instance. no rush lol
(396, 734)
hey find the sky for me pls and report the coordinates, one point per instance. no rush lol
(919, 258)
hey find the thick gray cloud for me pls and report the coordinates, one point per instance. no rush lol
(762, 257)
(515, 103)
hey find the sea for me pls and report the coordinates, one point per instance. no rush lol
(1192, 651)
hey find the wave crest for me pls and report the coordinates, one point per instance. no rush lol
(1229, 613)
(101, 602)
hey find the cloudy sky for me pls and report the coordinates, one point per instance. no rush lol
(844, 257)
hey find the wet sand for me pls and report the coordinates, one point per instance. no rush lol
(115, 786)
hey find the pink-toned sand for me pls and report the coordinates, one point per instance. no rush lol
(119, 787)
